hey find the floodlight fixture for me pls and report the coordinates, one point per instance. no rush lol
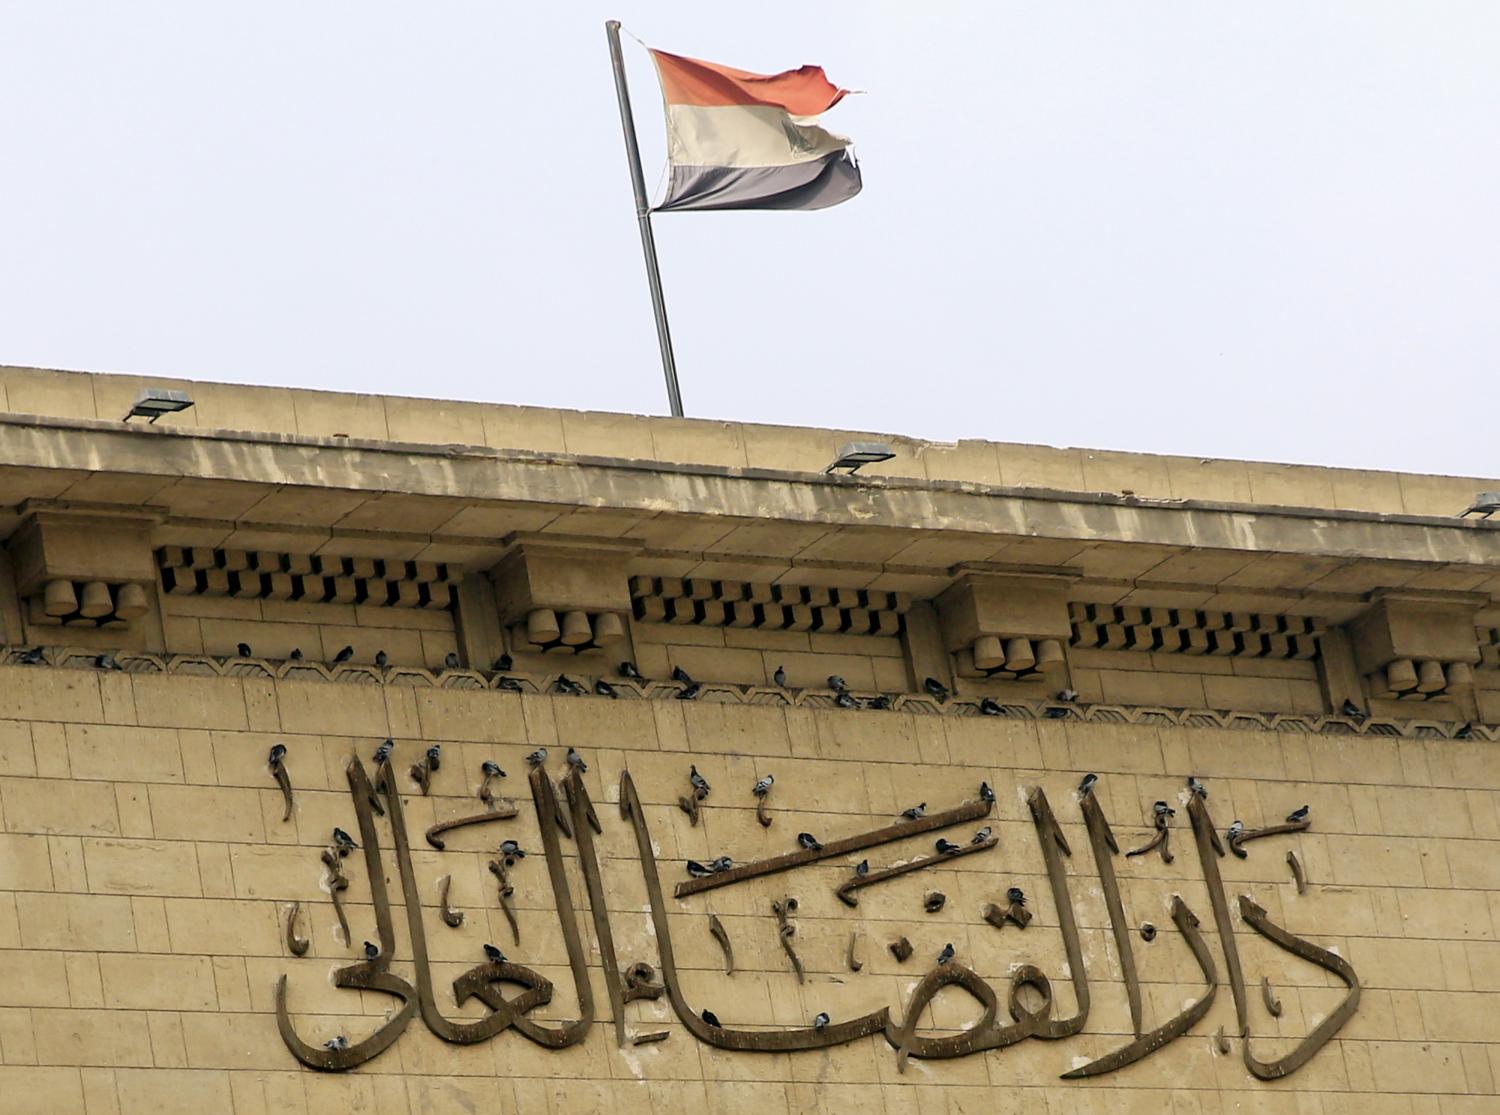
(857, 454)
(153, 402)
(1485, 505)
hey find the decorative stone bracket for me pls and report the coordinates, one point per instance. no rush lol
(80, 567)
(559, 596)
(1005, 624)
(1417, 646)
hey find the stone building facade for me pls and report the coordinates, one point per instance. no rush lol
(924, 659)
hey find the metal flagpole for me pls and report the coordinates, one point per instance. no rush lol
(643, 215)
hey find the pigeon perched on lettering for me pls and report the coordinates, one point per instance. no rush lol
(779, 677)
(451, 661)
(1351, 710)
(537, 757)
(763, 786)
(689, 692)
(296, 655)
(723, 863)
(982, 835)
(627, 670)
(493, 955)
(679, 674)
(836, 683)
(915, 811)
(947, 954)
(1056, 712)
(278, 753)
(845, 700)
(990, 707)
(809, 841)
(243, 650)
(511, 850)
(33, 657)
(343, 843)
(1015, 896)
(1235, 828)
(698, 870)
(945, 847)
(372, 950)
(383, 752)
(1068, 696)
(1162, 809)
(434, 756)
(1197, 787)
(935, 688)
(1086, 786)
(1297, 816)
(336, 1043)
(710, 1017)
(382, 659)
(699, 783)
(880, 701)
(862, 868)
(985, 793)
(343, 655)
(820, 1020)
(106, 662)
(567, 685)
(502, 664)
(604, 689)
(509, 685)
(576, 760)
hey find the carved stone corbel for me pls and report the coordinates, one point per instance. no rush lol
(1004, 623)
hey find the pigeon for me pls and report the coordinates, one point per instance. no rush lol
(1055, 712)
(935, 688)
(537, 757)
(576, 760)
(809, 841)
(985, 793)
(511, 850)
(710, 1017)
(1162, 809)
(278, 753)
(107, 662)
(1197, 787)
(491, 768)
(689, 692)
(763, 786)
(990, 707)
(836, 683)
(502, 664)
(1148, 932)
(945, 847)
(915, 811)
(343, 655)
(383, 752)
(1086, 787)
(844, 700)
(820, 1020)
(296, 655)
(434, 756)
(698, 870)
(982, 835)
(700, 784)
(493, 955)
(779, 677)
(1351, 710)
(604, 689)
(1068, 696)
(934, 902)
(723, 863)
(567, 685)
(862, 868)
(243, 650)
(450, 660)
(1466, 732)
(628, 670)
(1016, 896)
(343, 842)
(33, 657)
(879, 702)
(372, 950)
(1235, 828)
(338, 1043)
(947, 954)
(382, 659)
(1297, 816)
(510, 685)
(679, 674)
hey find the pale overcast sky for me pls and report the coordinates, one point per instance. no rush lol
(1239, 230)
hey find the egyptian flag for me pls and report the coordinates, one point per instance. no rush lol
(737, 140)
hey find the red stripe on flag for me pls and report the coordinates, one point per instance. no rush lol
(805, 91)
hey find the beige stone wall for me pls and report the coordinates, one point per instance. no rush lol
(145, 871)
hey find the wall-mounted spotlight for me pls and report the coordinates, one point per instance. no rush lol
(1485, 505)
(857, 454)
(153, 402)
